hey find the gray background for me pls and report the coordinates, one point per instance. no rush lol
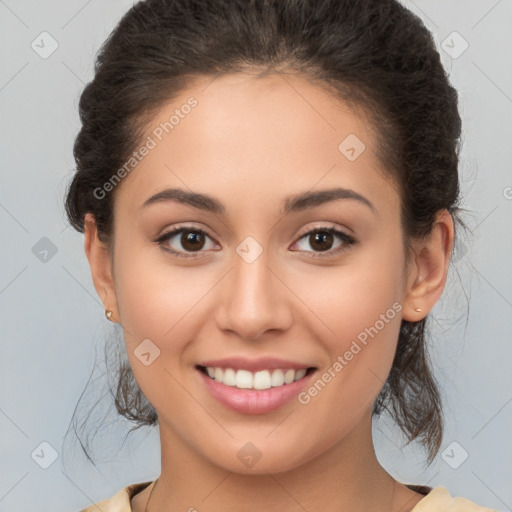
(52, 320)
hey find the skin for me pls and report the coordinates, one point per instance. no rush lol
(250, 142)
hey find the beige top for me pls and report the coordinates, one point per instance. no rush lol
(436, 499)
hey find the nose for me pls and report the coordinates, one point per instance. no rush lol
(254, 299)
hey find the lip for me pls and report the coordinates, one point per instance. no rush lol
(255, 401)
(255, 365)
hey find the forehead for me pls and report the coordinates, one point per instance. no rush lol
(273, 135)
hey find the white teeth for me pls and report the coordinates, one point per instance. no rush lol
(289, 376)
(277, 378)
(243, 379)
(263, 379)
(300, 373)
(229, 377)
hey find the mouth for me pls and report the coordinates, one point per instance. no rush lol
(258, 391)
(260, 380)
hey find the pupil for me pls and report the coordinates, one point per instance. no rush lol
(317, 237)
(192, 238)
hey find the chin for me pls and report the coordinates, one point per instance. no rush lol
(261, 458)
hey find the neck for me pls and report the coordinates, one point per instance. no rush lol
(347, 476)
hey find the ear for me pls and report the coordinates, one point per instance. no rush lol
(100, 263)
(429, 268)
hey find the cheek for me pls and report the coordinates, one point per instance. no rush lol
(360, 355)
(360, 312)
(152, 294)
(163, 303)
(353, 298)
(158, 303)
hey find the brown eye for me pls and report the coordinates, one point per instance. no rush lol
(192, 240)
(322, 240)
(183, 240)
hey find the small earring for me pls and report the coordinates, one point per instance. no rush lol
(108, 314)
(419, 310)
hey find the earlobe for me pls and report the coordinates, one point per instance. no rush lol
(99, 262)
(429, 270)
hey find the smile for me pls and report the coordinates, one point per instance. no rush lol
(254, 387)
(263, 379)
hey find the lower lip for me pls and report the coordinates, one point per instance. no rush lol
(252, 401)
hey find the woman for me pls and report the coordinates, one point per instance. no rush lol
(269, 197)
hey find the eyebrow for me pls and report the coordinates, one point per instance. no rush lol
(299, 202)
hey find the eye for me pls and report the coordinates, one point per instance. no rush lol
(192, 240)
(321, 240)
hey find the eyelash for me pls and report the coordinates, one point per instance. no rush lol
(347, 239)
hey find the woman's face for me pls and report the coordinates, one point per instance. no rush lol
(265, 285)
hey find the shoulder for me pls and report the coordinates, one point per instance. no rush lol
(120, 502)
(440, 500)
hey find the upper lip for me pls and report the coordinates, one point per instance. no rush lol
(254, 365)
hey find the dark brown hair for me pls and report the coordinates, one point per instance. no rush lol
(374, 54)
